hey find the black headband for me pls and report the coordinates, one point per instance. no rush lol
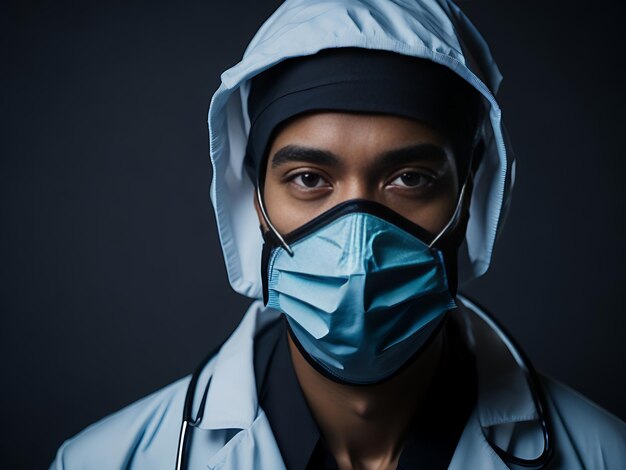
(362, 80)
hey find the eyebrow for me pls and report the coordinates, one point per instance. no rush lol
(298, 153)
(426, 152)
(418, 152)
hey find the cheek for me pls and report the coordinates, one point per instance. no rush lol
(432, 216)
(285, 213)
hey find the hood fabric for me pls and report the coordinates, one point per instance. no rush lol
(432, 29)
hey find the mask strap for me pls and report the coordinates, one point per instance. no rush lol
(459, 206)
(455, 217)
(278, 236)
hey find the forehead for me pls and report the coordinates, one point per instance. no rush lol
(357, 137)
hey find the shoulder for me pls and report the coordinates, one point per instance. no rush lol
(145, 434)
(594, 434)
(142, 435)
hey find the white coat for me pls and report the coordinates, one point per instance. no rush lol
(233, 432)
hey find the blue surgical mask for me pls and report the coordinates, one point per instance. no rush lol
(361, 289)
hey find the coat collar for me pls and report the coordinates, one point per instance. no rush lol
(504, 397)
(232, 399)
(506, 413)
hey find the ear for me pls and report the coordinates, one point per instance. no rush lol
(257, 207)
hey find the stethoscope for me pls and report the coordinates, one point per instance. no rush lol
(518, 355)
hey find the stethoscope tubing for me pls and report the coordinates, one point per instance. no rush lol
(187, 421)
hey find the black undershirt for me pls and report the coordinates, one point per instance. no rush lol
(435, 431)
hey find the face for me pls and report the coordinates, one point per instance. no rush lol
(319, 160)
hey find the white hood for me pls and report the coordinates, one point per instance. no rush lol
(432, 29)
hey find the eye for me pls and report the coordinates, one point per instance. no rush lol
(309, 180)
(412, 179)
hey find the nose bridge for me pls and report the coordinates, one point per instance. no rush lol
(357, 187)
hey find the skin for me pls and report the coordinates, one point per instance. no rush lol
(315, 162)
(296, 191)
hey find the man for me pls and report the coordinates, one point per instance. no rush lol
(365, 140)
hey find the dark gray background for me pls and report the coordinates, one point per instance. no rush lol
(112, 282)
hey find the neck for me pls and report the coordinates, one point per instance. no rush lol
(364, 425)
